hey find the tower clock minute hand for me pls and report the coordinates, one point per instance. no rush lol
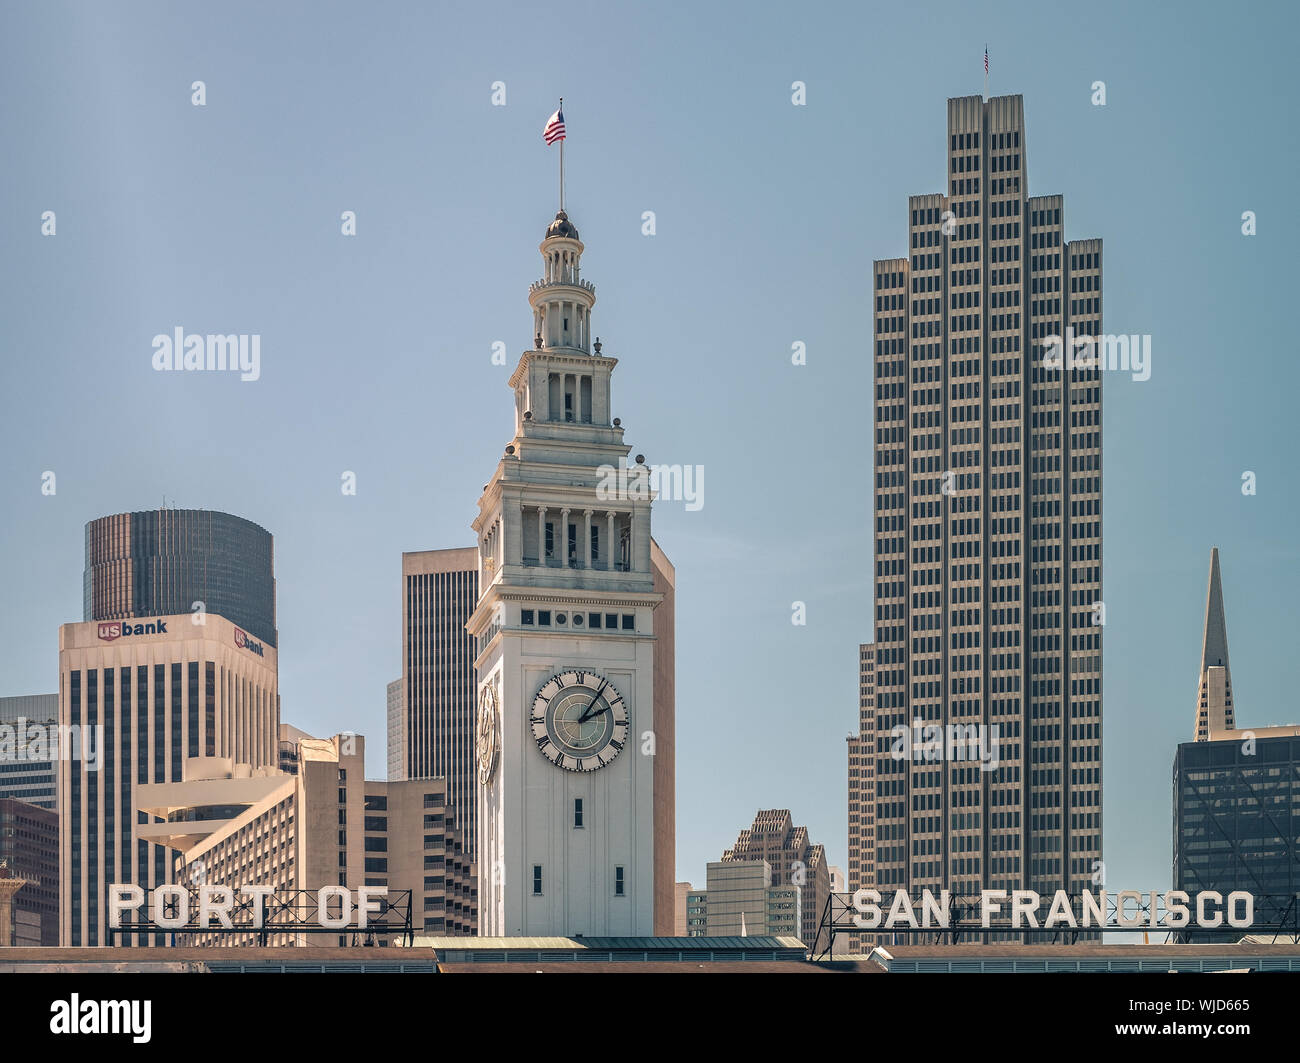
(587, 713)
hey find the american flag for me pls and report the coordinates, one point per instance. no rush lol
(554, 127)
(986, 61)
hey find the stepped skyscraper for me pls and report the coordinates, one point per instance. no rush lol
(987, 540)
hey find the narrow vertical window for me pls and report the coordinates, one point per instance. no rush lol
(537, 880)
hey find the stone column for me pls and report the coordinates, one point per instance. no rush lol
(514, 533)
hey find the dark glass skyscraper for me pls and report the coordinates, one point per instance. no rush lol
(161, 562)
(1236, 821)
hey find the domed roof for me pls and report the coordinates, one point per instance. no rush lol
(561, 226)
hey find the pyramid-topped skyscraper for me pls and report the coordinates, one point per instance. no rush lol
(1214, 708)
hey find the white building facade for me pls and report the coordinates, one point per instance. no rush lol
(157, 692)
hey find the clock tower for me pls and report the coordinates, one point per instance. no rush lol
(573, 736)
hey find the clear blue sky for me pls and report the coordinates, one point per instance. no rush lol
(376, 350)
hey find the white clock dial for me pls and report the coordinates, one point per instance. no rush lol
(579, 720)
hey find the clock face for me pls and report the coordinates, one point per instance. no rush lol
(487, 734)
(579, 721)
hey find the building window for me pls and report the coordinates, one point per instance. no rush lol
(577, 812)
(629, 622)
(618, 881)
(544, 617)
(537, 880)
(593, 620)
(525, 616)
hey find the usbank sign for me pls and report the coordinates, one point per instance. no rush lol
(117, 628)
(244, 642)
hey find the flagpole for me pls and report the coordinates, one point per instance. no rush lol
(561, 160)
(986, 71)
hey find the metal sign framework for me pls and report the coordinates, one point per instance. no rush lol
(1274, 914)
(284, 912)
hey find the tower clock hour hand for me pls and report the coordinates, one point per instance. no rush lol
(587, 713)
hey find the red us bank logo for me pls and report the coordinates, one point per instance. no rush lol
(244, 642)
(109, 631)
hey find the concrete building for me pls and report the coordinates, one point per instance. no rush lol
(290, 747)
(29, 851)
(26, 763)
(413, 843)
(574, 640)
(439, 589)
(681, 896)
(149, 696)
(229, 824)
(793, 859)
(1215, 710)
(741, 900)
(170, 561)
(396, 731)
(697, 912)
(987, 543)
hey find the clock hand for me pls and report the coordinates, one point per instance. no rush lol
(587, 712)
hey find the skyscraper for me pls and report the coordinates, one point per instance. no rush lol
(987, 499)
(170, 561)
(794, 860)
(1214, 708)
(439, 589)
(862, 787)
(396, 731)
(1235, 792)
(149, 691)
(28, 773)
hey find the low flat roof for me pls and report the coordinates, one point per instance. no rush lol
(610, 944)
